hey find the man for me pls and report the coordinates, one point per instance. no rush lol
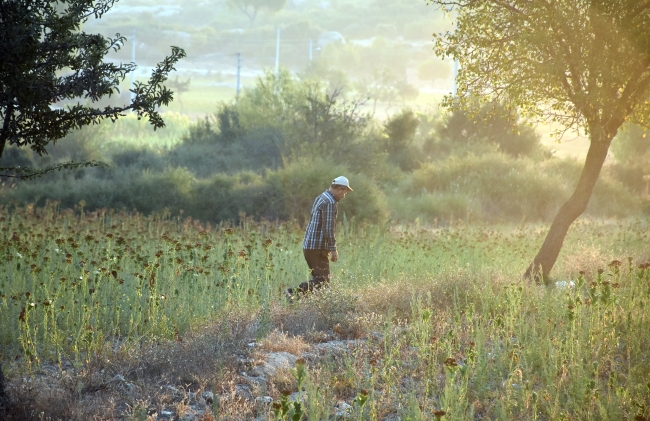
(319, 245)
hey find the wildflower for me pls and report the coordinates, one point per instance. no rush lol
(451, 362)
(615, 264)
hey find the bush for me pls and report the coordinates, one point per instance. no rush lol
(143, 159)
(631, 149)
(499, 187)
(13, 156)
(428, 207)
(493, 124)
(304, 180)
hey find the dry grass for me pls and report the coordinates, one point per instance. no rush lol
(278, 341)
(586, 260)
(159, 376)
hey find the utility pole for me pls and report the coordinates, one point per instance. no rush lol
(238, 72)
(277, 63)
(455, 88)
(311, 45)
(133, 43)
(277, 53)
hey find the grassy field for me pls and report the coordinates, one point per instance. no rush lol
(440, 317)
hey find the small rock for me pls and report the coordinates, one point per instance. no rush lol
(243, 392)
(342, 409)
(209, 397)
(119, 383)
(264, 399)
(273, 362)
(565, 284)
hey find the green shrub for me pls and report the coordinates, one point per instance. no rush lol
(491, 123)
(631, 149)
(500, 187)
(13, 156)
(141, 158)
(228, 197)
(428, 207)
(302, 181)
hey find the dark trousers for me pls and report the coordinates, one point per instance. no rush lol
(319, 264)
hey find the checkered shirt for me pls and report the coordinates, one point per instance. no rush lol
(320, 231)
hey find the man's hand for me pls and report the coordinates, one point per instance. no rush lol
(334, 256)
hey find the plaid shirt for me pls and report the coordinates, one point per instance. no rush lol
(320, 231)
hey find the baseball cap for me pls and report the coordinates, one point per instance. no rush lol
(342, 181)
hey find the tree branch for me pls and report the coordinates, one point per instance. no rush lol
(26, 173)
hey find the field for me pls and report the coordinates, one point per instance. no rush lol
(434, 319)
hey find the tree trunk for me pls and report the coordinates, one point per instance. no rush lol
(571, 210)
(4, 399)
(4, 132)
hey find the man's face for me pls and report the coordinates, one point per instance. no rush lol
(339, 193)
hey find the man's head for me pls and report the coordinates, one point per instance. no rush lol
(340, 187)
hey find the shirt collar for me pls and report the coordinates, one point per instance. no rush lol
(331, 195)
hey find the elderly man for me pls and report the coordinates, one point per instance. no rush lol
(319, 245)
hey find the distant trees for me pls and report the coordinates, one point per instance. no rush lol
(631, 149)
(492, 124)
(584, 64)
(47, 60)
(383, 86)
(251, 7)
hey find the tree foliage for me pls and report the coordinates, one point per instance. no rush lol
(51, 73)
(582, 64)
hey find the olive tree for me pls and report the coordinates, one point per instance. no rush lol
(580, 64)
(46, 60)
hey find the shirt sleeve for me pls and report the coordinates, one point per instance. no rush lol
(329, 221)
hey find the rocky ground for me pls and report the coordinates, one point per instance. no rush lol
(223, 371)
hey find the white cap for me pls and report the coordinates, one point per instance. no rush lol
(342, 181)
